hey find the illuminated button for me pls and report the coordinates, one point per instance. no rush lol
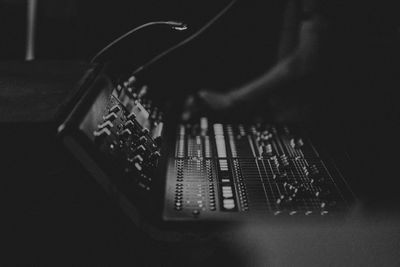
(229, 204)
(223, 165)
(220, 140)
(218, 128)
(227, 192)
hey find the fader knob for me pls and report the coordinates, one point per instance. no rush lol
(102, 133)
(141, 149)
(299, 143)
(267, 150)
(142, 140)
(314, 169)
(126, 133)
(296, 142)
(305, 171)
(138, 158)
(106, 124)
(135, 160)
(131, 80)
(111, 116)
(265, 136)
(284, 161)
(131, 116)
(138, 167)
(115, 109)
(145, 131)
(129, 124)
(155, 155)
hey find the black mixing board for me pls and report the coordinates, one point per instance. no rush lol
(237, 170)
(208, 170)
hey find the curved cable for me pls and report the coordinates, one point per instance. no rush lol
(173, 24)
(187, 40)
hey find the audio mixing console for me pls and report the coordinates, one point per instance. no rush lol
(211, 170)
(236, 170)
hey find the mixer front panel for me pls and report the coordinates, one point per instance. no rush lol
(224, 171)
(214, 170)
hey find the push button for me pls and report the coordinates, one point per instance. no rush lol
(228, 204)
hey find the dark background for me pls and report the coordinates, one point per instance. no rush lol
(70, 29)
(54, 211)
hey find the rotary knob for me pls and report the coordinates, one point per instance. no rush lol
(145, 131)
(140, 149)
(131, 116)
(102, 133)
(126, 133)
(154, 156)
(115, 109)
(110, 117)
(285, 161)
(296, 143)
(267, 150)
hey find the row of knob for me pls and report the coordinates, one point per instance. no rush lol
(266, 148)
(129, 141)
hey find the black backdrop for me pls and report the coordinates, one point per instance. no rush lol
(56, 217)
(77, 29)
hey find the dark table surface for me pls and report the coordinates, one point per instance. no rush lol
(34, 91)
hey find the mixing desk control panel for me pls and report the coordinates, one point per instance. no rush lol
(211, 170)
(221, 171)
(121, 132)
(130, 133)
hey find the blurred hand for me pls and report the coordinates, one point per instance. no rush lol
(206, 100)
